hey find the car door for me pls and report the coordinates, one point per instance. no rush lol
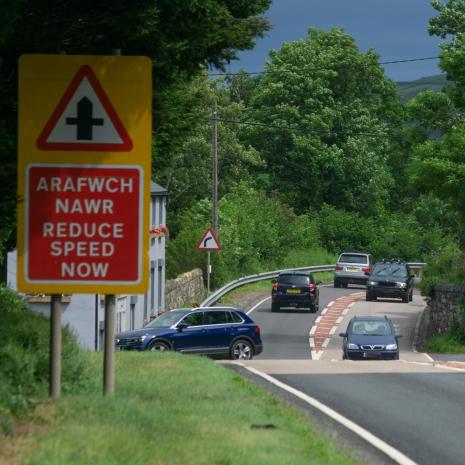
(190, 338)
(218, 335)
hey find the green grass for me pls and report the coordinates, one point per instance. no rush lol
(177, 410)
(444, 345)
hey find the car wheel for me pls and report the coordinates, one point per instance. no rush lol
(369, 298)
(397, 356)
(336, 283)
(405, 298)
(274, 307)
(241, 350)
(344, 356)
(410, 296)
(159, 346)
(314, 308)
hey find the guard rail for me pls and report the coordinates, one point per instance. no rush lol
(215, 296)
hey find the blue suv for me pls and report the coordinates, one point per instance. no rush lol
(215, 331)
(369, 338)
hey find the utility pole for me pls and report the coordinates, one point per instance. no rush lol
(214, 184)
(215, 168)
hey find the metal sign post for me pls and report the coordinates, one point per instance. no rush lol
(55, 346)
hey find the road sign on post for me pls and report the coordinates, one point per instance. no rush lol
(84, 169)
(209, 241)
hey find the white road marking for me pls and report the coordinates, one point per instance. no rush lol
(324, 311)
(258, 305)
(329, 305)
(384, 447)
(333, 330)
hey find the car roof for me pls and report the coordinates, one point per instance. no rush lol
(194, 309)
(371, 318)
(358, 252)
(297, 273)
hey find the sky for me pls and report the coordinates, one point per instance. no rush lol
(396, 29)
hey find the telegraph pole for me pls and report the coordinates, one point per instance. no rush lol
(214, 184)
(215, 168)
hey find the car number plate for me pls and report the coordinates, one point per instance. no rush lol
(371, 354)
(293, 291)
(352, 268)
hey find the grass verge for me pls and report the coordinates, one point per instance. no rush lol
(174, 409)
(445, 344)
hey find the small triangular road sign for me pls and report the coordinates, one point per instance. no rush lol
(84, 119)
(209, 241)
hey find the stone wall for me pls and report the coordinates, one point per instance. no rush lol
(441, 311)
(184, 290)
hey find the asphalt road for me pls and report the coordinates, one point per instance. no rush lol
(412, 404)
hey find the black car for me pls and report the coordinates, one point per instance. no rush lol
(295, 289)
(370, 338)
(392, 279)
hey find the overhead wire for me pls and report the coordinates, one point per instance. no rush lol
(407, 60)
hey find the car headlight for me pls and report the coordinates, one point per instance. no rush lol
(402, 285)
(372, 283)
(142, 338)
(352, 346)
(391, 347)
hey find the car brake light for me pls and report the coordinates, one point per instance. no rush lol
(338, 267)
(275, 286)
(367, 269)
(257, 329)
(312, 287)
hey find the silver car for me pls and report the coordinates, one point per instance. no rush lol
(352, 268)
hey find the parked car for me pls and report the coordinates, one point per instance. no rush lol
(351, 268)
(296, 289)
(370, 338)
(390, 278)
(216, 331)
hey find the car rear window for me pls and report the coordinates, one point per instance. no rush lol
(351, 258)
(295, 279)
(236, 318)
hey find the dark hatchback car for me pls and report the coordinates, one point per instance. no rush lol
(295, 289)
(392, 279)
(370, 338)
(215, 331)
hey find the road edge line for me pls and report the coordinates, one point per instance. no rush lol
(257, 305)
(373, 440)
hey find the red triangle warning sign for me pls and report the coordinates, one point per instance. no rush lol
(209, 241)
(85, 119)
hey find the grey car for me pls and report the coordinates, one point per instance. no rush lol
(352, 268)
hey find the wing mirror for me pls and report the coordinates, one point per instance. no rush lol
(181, 326)
(343, 334)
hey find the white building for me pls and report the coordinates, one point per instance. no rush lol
(84, 313)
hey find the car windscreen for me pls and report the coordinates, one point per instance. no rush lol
(352, 258)
(394, 270)
(294, 279)
(371, 328)
(167, 319)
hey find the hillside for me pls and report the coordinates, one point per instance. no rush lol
(408, 90)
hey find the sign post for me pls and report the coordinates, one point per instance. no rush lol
(208, 242)
(84, 169)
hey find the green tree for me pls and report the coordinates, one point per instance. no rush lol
(324, 111)
(181, 36)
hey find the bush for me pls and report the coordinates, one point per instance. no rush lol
(387, 235)
(24, 355)
(446, 265)
(257, 232)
